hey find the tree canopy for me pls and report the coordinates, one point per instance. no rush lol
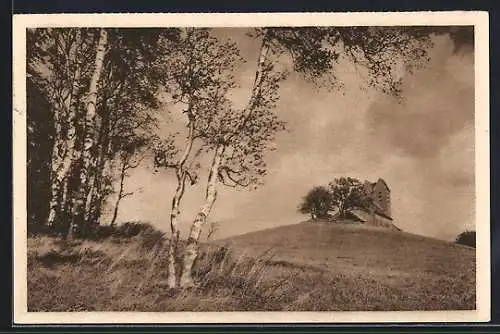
(344, 194)
(317, 202)
(348, 194)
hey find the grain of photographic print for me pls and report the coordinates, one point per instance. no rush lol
(240, 168)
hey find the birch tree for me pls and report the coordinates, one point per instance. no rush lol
(347, 194)
(102, 86)
(199, 74)
(127, 107)
(131, 155)
(238, 140)
(79, 200)
(56, 60)
(314, 53)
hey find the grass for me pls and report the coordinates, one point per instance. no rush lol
(304, 267)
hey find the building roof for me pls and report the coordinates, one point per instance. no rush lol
(383, 214)
(371, 185)
(383, 182)
(377, 212)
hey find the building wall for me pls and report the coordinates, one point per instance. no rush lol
(373, 219)
(382, 196)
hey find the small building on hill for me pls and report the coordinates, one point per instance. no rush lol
(379, 213)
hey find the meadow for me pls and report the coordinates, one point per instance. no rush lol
(301, 267)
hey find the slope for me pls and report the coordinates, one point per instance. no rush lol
(435, 273)
(304, 267)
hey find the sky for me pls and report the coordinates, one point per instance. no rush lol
(423, 147)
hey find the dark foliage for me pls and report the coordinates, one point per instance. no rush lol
(348, 194)
(317, 202)
(60, 64)
(306, 46)
(146, 233)
(345, 194)
(467, 238)
(40, 139)
(126, 231)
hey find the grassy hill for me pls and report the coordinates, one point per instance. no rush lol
(305, 267)
(384, 269)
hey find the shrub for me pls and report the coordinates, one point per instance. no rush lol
(131, 229)
(99, 232)
(467, 238)
(124, 231)
(151, 237)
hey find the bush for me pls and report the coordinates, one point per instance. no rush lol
(130, 229)
(39, 229)
(467, 238)
(151, 237)
(148, 234)
(98, 232)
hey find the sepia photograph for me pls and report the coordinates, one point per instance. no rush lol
(251, 167)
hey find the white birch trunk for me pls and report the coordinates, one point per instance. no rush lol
(174, 223)
(61, 168)
(259, 74)
(175, 210)
(55, 178)
(90, 124)
(90, 197)
(191, 250)
(257, 85)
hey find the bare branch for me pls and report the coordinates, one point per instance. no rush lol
(230, 175)
(126, 194)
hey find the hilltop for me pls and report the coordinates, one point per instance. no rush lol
(344, 247)
(302, 267)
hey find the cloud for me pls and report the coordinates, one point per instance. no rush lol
(437, 104)
(433, 132)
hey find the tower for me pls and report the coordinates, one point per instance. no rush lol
(382, 196)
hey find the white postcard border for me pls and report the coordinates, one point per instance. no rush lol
(478, 19)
